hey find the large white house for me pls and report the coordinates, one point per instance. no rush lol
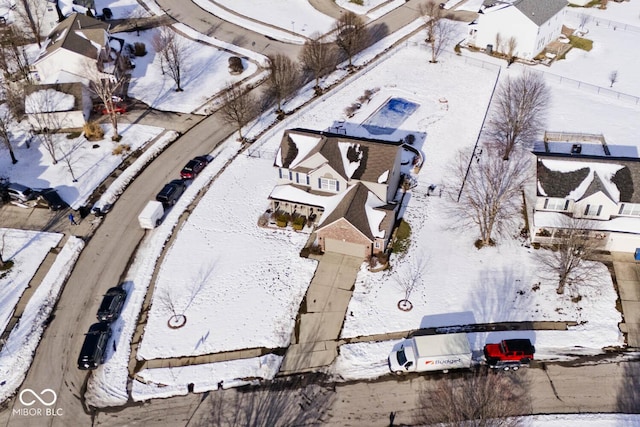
(587, 179)
(77, 44)
(531, 23)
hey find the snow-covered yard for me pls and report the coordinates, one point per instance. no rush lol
(204, 73)
(240, 286)
(90, 161)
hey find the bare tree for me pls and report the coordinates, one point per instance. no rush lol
(283, 402)
(351, 34)
(5, 120)
(45, 118)
(411, 279)
(518, 111)
(512, 45)
(239, 106)
(283, 78)
(583, 20)
(440, 30)
(13, 57)
(33, 12)
(69, 155)
(2, 260)
(485, 398)
(318, 57)
(574, 244)
(498, 48)
(107, 87)
(491, 199)
(172, 51)
(613, 77)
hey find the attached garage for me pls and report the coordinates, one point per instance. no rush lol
(346, 248)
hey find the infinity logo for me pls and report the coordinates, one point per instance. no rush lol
(37, 397)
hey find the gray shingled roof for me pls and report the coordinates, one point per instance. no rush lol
(539, 11)
(560, 184)
(595, 186)
(352, 209)
(377, 156)
(65, 36)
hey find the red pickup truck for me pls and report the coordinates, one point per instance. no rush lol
(509, 351)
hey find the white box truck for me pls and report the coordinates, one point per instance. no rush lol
(431, 353)
(151, 215)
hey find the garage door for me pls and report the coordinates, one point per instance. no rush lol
(346, 248)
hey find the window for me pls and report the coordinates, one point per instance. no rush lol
(328, 184)
(593, 210)
(377, 245)
(556, 204)
(290, 176)
(629, 209)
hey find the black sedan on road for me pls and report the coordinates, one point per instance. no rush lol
(112, 304)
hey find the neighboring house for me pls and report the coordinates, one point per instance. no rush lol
(532, 23)
(582, 177)
(344, 185)
(77, 44)
(57, 106)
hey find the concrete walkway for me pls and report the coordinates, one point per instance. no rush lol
(314, 340)
(627, 272)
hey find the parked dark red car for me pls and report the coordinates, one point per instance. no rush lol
(194, 167)
(118, 108)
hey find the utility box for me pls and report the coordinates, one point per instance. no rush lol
(637, 254)
(151, 215)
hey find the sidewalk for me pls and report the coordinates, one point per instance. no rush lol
(314, 341)
(627, 277)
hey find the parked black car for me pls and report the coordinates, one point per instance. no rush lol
(51, 198)
(111, 304)
(171, 192)
(94, 347)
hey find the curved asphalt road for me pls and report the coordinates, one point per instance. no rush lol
(108, 253)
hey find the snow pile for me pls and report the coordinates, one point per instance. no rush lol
(17, 353)
(118, 186)
(48, 101)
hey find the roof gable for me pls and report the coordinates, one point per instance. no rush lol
(351, 157)
(78, 33)
(362, 209)
(578, 178)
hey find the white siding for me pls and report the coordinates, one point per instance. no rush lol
(510, 22)
(599, 199)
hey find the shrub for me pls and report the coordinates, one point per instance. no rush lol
(73, 135)
(580, 43)
(358, 2)
(457, 49)
(401, 241)
(106, 12)
(235, 65)
(139, 49)
(93, 131)
(299, 222)
(282, 219)
(121, 149)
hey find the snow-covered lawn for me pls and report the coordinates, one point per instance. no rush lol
(27, 250)
(91, 161)
(372, 8)
(297, 16)
(613, 50)
(244, 287)
(627, 12)
(204, 74)
(18, 350)
(121, 9)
